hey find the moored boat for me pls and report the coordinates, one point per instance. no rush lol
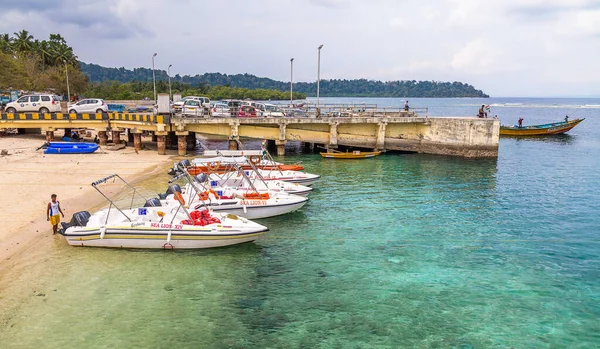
(156, 226)
(540, 130)
(70, 148)
(356, 154)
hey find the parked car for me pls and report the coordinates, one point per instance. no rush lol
(271, 110)
(192, 107)
(247, 111)
(177, 106)
(43, 103)
(88, 105)
(220, 109)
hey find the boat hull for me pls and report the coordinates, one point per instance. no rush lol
(71, 148)
(257, 210)
(156, 239)
(540, 130)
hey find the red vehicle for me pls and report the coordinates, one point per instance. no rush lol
(246, 111)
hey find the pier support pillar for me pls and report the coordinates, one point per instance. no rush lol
(380, 142)
(116, 137)
(102, 137)
(233, 144)
(333, 132)
(49, 135)
(182, 143)
(191, 141)
(161, 142)
(280, 147)
(137, 140)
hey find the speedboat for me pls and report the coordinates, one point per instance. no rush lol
(303, 178)
(248, 203)
(241, 182)
(155, 226)
(223, 164)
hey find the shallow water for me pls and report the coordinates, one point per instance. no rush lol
(404, 250)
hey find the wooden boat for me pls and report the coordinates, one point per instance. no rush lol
(70, 148)
(357, 154)
(539, 130)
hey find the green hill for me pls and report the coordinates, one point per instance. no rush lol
(328, 88)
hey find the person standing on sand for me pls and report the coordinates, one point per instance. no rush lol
(52, 213)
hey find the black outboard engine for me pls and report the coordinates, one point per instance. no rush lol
(176, 187)
(201, 178)
(185, 163)
(80, 219)
(154, 202)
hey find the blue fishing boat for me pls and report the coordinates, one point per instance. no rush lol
(70, 148)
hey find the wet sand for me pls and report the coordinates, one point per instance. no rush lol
(28, 178)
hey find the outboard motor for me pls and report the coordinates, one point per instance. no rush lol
(154, 202)
(201, 178)
(80, 219)
(185, 163)
(177, 188)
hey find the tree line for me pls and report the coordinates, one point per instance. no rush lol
(38, 65)
(145, 89)
(328, 88)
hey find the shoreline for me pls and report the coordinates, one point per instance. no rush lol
(29, 177)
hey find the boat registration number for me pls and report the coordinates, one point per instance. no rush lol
(253, 202)
(166, 226)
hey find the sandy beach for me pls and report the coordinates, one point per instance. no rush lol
(29, 177)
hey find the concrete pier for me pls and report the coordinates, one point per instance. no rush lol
(456, 136)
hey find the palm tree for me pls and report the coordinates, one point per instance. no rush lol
(23, 41)
(5, 43)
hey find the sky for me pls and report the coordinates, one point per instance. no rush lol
(510, 48)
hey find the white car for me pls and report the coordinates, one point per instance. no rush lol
(88, 105)
(220, 109)
(179, 104)
(192, 107)
(42, 103)
(268, 110)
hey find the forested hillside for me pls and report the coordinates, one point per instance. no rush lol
(328, 88)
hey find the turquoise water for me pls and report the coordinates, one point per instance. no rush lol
(404, 250)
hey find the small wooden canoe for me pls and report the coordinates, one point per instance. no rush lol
(539, 130)
(353, 155)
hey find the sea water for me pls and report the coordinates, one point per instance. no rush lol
(402, 250)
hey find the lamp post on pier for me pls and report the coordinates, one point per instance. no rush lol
(169, 75)
(153, 77)
(318, 73)
(291, 82)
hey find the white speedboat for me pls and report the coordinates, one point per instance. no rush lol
(248, 203)
(298, 177)
(224, 199)
(238, 181)
(155, 226)
(161, 227)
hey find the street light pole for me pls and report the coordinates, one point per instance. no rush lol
(169, 74)
(153, 77)
(319, 73)
(68, 90)
(291, 82)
